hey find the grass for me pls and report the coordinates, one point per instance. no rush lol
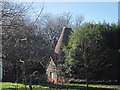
(11, 86)
(18, 85)
(113, 87)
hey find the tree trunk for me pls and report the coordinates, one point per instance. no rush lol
(25, 82)
(67, 85)
(86, 84)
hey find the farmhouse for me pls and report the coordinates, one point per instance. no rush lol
(51, 69)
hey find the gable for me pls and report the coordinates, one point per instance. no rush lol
(51, 67)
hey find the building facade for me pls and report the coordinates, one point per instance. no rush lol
(51, 71)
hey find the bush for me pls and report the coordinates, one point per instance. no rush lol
(37, 78)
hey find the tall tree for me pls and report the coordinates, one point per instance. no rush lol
(87, 52)
(20, 43)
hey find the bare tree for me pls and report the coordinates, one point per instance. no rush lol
(19, 40)
(50, 26)
(78, 20)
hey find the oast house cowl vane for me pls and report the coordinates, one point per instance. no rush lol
(63, 39)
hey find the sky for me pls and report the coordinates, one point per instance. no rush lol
(119, 11)
(91, 11)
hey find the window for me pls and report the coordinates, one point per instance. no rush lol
(51, 75)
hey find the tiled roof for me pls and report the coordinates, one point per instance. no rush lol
(64, 37)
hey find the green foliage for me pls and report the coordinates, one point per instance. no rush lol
(90, 49)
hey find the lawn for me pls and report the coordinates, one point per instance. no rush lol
(11, 86)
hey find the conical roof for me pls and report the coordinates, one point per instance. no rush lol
(63, 39)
